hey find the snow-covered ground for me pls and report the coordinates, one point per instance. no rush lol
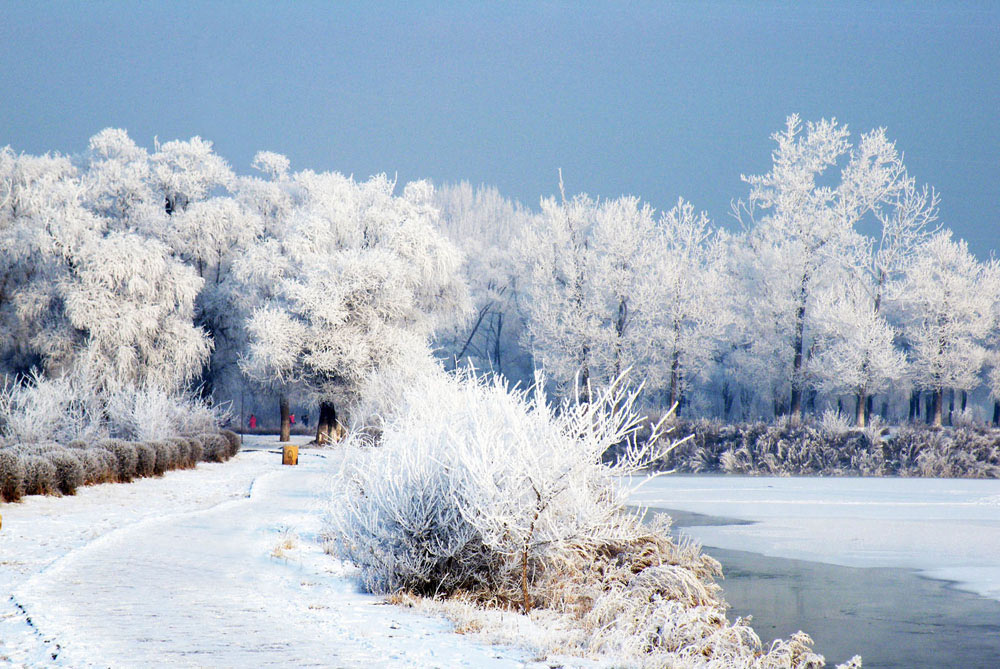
(944, 528)
(218, 566)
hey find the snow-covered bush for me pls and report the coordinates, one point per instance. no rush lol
(145, 459)
(166, 457)
(12, 476)
(38, 409)
(234, 441)
(150, 414)
(190, 451)
(126, 458)
(39, 475)
(475, 482)
(783, 449)
(216, 447)
(98, 465)
(834, 423)
(70, 473)
(495, 498)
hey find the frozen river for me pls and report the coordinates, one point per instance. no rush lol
(840, 558)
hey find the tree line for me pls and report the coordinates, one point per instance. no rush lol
(839, 291)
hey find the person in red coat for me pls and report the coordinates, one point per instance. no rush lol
(253, 422)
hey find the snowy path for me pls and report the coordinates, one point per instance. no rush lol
(171, 573)
(947, 529)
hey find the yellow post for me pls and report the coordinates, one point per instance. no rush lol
(289, 455)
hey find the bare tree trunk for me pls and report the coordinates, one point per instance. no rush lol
(996, 414)
(869, 408)
(965, 399)
(929, 407)
(951, 405)
(795, 408)
(327, 429)
(860, 416)
(675, 365)
(938, 406)
(286, 424)
(496, 344)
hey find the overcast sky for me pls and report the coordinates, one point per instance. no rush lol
(652, 99)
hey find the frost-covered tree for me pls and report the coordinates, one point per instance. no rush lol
(803, 234)
(117, 178)
(948, 310)
(610, 285)
(856, 351)
(482, 223)
(687, 309)
(91, 290)
(359, 280)
(187, 171)
(579, 286)
(130, 304)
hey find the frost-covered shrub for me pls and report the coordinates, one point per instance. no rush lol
(234, 442)
(12, 476)
(126, 458)
(168, 456)
(70, 473)
(39, 475)
(835, 423)
(473, 479)
(217, 448)
(150, 414)
(145, 459)
(494, 497)
(98, 465)
(189, 452)
(785, 448)
(961, 452)
(38, 409)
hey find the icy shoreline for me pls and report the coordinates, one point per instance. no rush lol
(894, 618)
(946, 529)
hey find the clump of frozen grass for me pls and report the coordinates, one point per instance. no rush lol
(493, 498)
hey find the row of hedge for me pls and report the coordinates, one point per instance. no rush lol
(55, 469)
(786, 449)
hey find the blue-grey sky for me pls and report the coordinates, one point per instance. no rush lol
(653, 99)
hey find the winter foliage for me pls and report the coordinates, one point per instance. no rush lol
(163, 268)
(493, 497)
(58, 434)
